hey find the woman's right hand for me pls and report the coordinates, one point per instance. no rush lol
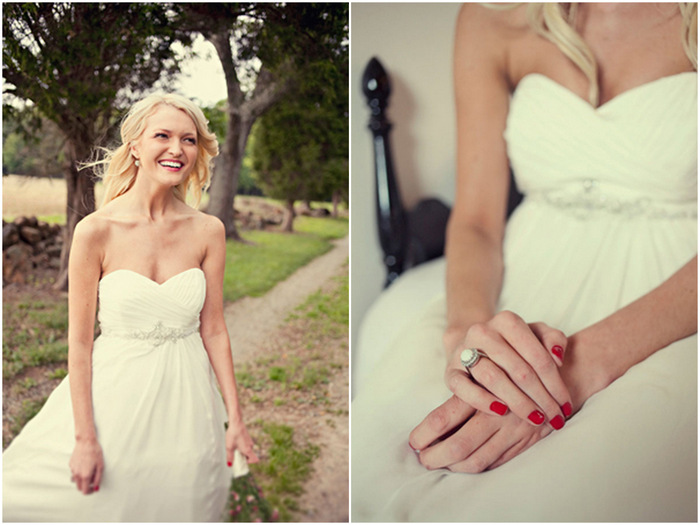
(86, 465)
(520, 371)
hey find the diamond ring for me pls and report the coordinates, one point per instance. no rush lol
(470, 357)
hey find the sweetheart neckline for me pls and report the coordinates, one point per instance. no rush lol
(148, 278)
(612, 100)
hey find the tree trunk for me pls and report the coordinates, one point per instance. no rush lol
(336, 202)
(242, 114)
(80, 201)
(288, 223)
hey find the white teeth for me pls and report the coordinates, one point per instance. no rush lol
(171, 164)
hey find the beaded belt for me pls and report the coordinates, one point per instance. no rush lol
(159, 335)
(589, 200)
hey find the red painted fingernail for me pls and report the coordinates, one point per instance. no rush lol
(229, 463)
(499, 408)
(536, 417)
(557, 422)
(558, 351)
(97, 488)
(566, 408)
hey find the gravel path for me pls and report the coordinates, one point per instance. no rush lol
(252, 320)
(255, 326)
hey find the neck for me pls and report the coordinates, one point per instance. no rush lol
(150, 200)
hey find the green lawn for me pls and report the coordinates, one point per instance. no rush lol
(253, 269)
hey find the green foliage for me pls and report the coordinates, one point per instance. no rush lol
(247, 502)
(301, 144)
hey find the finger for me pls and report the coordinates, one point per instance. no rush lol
(97, 479)
(499, 449)
(552, 339)
(252, 457)
(531, 368)
(462, 444)
(439, 422)
(518, 448)
(229, 455)
(471, 393)
(489, 374)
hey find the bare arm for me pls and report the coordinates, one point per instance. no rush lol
(601, 353)
(476, 226)
(84, 274)
(216, 339)
(520, 374)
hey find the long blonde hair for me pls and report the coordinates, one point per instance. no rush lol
(118, 168)
(555, 22)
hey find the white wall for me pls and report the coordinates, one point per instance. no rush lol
(414, 44)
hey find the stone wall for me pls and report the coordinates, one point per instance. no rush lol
(30, 248)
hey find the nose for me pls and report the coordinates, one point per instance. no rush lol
(175, 148)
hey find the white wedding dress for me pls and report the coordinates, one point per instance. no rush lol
(159, 417)
(610, 212)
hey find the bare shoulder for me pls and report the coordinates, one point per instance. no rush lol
(92, 229)
(485, 36)
(492, 21)
(209, 227)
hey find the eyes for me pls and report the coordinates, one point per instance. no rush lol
(188, 140)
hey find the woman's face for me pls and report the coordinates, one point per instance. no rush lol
(167, 149)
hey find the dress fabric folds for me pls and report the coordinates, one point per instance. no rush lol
(160, 419)
(610, 212)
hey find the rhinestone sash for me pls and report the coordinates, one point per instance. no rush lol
(589, 200)
(157, 336)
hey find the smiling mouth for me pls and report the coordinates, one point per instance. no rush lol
(171, 164)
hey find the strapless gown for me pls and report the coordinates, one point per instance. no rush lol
(158, 413)
(610, 212)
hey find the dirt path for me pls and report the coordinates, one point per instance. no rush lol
(252, 321)
(257, 328)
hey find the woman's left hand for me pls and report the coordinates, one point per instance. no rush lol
(519, 372)
(237, 438)
(483, 442)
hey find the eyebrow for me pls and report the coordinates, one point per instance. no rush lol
(169, 131)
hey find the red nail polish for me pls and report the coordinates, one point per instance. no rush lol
(498, 408)
(557, 422)
(229, 463)
(97, 488)
(536, 417)
(566, 408)
(558, 351)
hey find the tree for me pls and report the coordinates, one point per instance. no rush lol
(78, 64)
(263, 48)
(301, 144)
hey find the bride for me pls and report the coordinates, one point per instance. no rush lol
(594, 106)
(136, 432)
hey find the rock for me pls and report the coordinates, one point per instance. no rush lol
(16, 263)
(10, 235)
(30, 234)
(54, 250)
(27, 221)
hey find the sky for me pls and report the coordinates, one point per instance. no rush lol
(202, 78)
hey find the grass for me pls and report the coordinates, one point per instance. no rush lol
(34, 334)
(329, 312)
(254, 269)
(282, 474)
(296, 377)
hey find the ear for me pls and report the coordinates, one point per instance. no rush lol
(134, 151)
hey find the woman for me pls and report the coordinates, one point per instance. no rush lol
(139, 420)
(595, 108)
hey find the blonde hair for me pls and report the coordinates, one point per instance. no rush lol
(555, 22)
(118, 168)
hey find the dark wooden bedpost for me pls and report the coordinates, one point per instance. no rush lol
(391, 216)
